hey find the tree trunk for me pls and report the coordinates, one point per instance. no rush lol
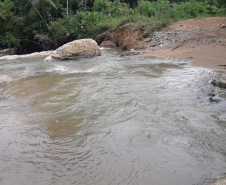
(67, 7)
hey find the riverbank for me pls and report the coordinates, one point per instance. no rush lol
(201, 41)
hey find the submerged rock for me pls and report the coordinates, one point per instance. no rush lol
(131, 52)
(75, 50)
(221, 82)
(220, 182)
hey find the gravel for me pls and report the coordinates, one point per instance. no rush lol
(171, 37)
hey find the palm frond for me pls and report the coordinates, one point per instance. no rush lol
(50, 2)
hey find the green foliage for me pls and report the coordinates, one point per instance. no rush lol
(119, 9)
(161, 8)
(45, 2)
(221, 12)
(44, 24)
(146, 8)
(102, 6)
(222, 3)
(137, 21)
(74, 27)
(9, 40)
(189, 9)
(112, 9)
(10, 25)
(5, 9)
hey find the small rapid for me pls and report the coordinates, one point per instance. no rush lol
(110, 120)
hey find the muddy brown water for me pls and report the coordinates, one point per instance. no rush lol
(110, 120)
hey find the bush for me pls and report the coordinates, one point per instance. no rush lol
(82, 25)
(58, 32)
(10, 25)
(221, 12)
(146, 8)
(102, 6)
(119, 9)
(112, 9)
(189, 9)
(161, 8)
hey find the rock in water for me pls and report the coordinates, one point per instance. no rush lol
(220, 182)
(75, 50)
(221, 82)
(9, 51)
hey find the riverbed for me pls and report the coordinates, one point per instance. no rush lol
(133, 120)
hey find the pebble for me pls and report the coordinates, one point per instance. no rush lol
(153, 44)
(147, 40)
(223, 26)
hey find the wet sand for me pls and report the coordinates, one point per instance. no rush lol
(200, 56)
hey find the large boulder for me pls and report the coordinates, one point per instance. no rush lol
(75, 50)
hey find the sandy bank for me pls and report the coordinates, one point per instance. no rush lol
(201, 41)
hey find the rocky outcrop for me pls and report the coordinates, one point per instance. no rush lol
(75, 50)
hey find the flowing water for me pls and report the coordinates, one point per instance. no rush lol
(110, 120)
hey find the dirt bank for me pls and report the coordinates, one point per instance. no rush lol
(202, 41)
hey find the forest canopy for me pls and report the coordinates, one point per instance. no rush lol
(35, 25)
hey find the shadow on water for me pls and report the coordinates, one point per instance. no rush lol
(110, 120)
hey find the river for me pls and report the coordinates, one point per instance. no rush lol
(110, 120)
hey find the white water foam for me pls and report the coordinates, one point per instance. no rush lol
(5, 78)
(62, 69)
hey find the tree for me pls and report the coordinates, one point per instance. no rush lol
(8, 21)
(43, 6)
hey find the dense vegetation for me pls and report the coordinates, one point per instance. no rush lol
(34, 25)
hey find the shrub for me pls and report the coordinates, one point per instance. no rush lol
(161, 8)
(10, 25)
(102, 6)
(189, 9)
(83, 25)
(58, 32)
(221, 12)
(146, 8)
(119, 9)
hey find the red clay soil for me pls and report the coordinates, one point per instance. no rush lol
(124, 39)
